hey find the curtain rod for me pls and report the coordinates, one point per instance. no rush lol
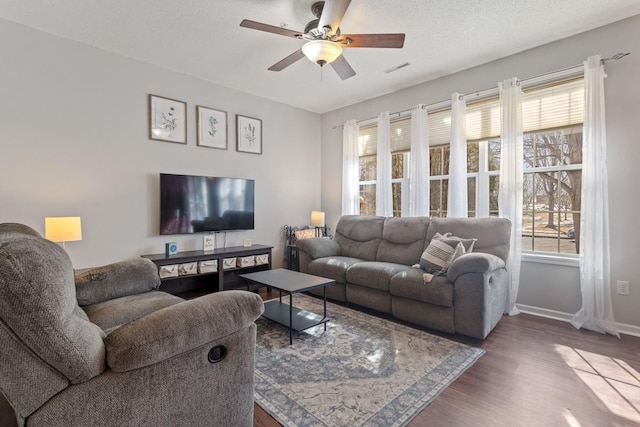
(481, 94)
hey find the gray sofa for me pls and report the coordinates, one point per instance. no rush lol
(108, 348)
(371, 260)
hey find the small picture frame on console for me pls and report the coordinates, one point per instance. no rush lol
(248, 134)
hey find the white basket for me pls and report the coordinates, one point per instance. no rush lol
(246, 261)
(165, 271)
(209, 266)
(228, 263)
(262, 259)
(187, 268)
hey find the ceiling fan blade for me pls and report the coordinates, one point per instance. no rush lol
(270, 28)
(392, 40)
(332, 13)
(342, 67)
(284, 63)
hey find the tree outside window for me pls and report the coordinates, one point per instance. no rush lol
(552, 190)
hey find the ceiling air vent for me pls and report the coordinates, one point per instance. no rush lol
(396, 68)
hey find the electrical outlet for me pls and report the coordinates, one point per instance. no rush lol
(623, 287)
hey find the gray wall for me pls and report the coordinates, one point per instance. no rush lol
(73, 142)
(550, 288)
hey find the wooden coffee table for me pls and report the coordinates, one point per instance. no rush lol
(292, 282)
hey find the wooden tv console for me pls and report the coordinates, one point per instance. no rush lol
(192, 285)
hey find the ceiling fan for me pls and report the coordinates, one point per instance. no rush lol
(324, 41)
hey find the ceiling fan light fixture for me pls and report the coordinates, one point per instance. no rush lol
(322, 51)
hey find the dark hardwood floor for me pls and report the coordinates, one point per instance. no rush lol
(537, 372)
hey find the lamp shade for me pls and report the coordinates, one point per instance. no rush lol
(317, 219)
(63, 229)
(322, 51)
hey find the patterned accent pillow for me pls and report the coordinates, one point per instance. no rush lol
(442, 251)
(467, 243)
(304, 234)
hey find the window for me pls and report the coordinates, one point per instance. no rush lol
(551, 190)
(367, 152)
(552, 124)
(439, 177)
(400, 145)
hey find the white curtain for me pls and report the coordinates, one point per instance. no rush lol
(510, 194)
(350, 169)
(596, 312)
(457, 205)
(419, 163)
(384, 200)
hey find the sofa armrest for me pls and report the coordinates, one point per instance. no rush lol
(475, 262)
(180, 328)
(318, 247)
(480, 289)
(130, 277)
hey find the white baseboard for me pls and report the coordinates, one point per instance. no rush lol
(623, 328)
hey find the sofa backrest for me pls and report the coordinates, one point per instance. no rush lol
(359, 236)
(493, 234)
(7, 228)
(38, 307)
(403, 240)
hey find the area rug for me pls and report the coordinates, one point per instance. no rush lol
(362, 371)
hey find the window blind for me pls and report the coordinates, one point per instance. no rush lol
(552, 106)
(400, 137)
(483, 119)
(556, 105)
(368, 140)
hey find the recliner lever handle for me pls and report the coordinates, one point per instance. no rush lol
(217, 354)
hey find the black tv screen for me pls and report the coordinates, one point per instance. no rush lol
(193, 204)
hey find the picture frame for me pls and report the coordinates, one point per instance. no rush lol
(167, 119)
(248, 134)
(208, 242)
(211, 127)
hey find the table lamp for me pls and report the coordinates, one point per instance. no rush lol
(317, 221)
(63, 229)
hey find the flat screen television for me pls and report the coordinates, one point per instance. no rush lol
(194, 204)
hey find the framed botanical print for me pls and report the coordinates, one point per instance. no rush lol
(248, 134)
(212, 127)
(167, 119)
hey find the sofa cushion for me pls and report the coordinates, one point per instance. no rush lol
(333, 267)
(402, 240)
(409, 284)
(359, 236)
(374, 274)
(112, 313)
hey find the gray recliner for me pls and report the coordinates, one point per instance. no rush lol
(107, 348)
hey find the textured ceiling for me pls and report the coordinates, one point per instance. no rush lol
(204, 39)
